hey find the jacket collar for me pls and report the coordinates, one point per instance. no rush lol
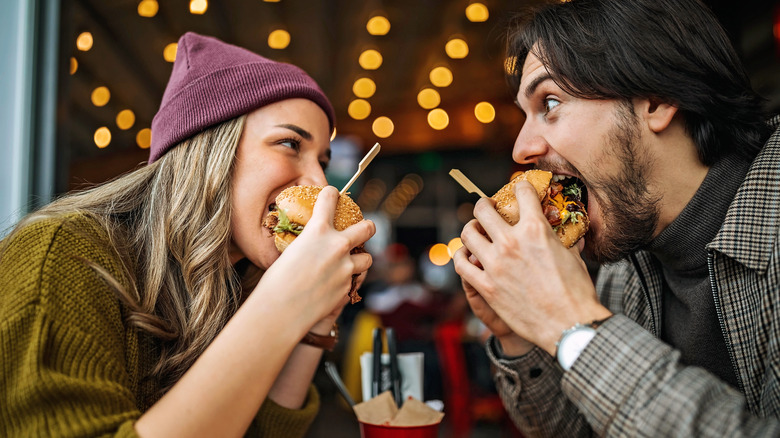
(751, 226)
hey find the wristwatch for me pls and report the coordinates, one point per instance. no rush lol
(573, 341)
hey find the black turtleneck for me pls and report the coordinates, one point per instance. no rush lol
(689, 321)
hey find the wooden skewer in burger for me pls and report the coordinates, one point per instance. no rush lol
(292, 211)
(561, 204)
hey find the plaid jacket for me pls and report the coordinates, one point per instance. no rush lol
(627, 382)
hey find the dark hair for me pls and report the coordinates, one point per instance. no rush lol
(672, 51)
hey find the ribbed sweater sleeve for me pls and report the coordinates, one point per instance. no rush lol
(64, 368)
(69, 366)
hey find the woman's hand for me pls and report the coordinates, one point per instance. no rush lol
(313, 276)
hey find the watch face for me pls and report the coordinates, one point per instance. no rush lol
(572, 343)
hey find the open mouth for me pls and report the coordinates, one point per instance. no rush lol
(572, 186)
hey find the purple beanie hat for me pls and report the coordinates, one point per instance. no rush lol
(213, 81)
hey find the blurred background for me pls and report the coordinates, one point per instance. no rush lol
(81, 80)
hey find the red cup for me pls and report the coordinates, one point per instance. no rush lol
(377, 431)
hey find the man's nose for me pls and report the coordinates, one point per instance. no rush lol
(529, 146)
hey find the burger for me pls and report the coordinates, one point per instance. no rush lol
(292, 210)
(561, 202)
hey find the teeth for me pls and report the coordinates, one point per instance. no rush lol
(558, 178)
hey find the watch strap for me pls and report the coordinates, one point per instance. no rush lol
(326, 342)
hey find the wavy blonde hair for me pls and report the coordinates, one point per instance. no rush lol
(169, 222)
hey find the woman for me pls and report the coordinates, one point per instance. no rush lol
(155, 304)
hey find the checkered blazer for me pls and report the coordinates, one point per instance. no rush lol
(627, 382)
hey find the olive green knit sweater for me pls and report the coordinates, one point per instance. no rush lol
(69, 364)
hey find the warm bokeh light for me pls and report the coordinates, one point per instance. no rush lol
(438, 119)
(378, 25)
(359, 109)
(144, 138)
(125, 119)
(477, 12)
(84, 41)
(364, 87)
(441, 76)
(370, 59)
(428, 98)
(102, 137)
(439, 254)
(454, 245)
(383, 127)
(485, 112)
(169, 52)
(198, 7)
(100, 96)
(74, 65)
(148, 8)
(271, 1)
(456, 48)
(279, 39)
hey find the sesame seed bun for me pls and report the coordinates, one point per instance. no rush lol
(506, 205)
(298, 204)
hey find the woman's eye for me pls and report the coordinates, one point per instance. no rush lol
(291, 143)
(549, 104)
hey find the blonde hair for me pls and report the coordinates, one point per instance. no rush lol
(169, 222)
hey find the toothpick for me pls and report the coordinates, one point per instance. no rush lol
(362, 166)
(466, 183)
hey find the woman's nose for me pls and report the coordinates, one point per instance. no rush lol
(313, 175)
(529, 146)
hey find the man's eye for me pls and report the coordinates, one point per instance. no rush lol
(549, 104)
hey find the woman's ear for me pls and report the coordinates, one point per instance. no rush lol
(657, 114)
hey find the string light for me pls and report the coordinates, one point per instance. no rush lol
(84, 41)
(441, 77)
(364, 87)
(198, 7)
(359, 109)
(144, 138)
(279, 39)
(100, 96)
(484, 112)
(102, 137)
(378, 25)
(125, 119)
(383, 127)
(438, 119)
(370, 59)
(169, 52)
(428, 98)
(477, 12)
(456, 48)
(148, 8)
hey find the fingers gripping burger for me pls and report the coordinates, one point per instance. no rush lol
(561, 203)
(292, 211)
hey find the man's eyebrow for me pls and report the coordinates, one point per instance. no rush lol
(297, 129)
(531, 88)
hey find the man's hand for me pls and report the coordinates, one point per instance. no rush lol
(511, 343)
(534, 285)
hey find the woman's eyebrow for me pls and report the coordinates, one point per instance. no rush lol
(297, 129)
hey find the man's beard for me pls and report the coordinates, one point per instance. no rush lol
(629, 212)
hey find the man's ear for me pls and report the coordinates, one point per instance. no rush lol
(657, 114)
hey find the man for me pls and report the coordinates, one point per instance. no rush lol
(645, 103)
